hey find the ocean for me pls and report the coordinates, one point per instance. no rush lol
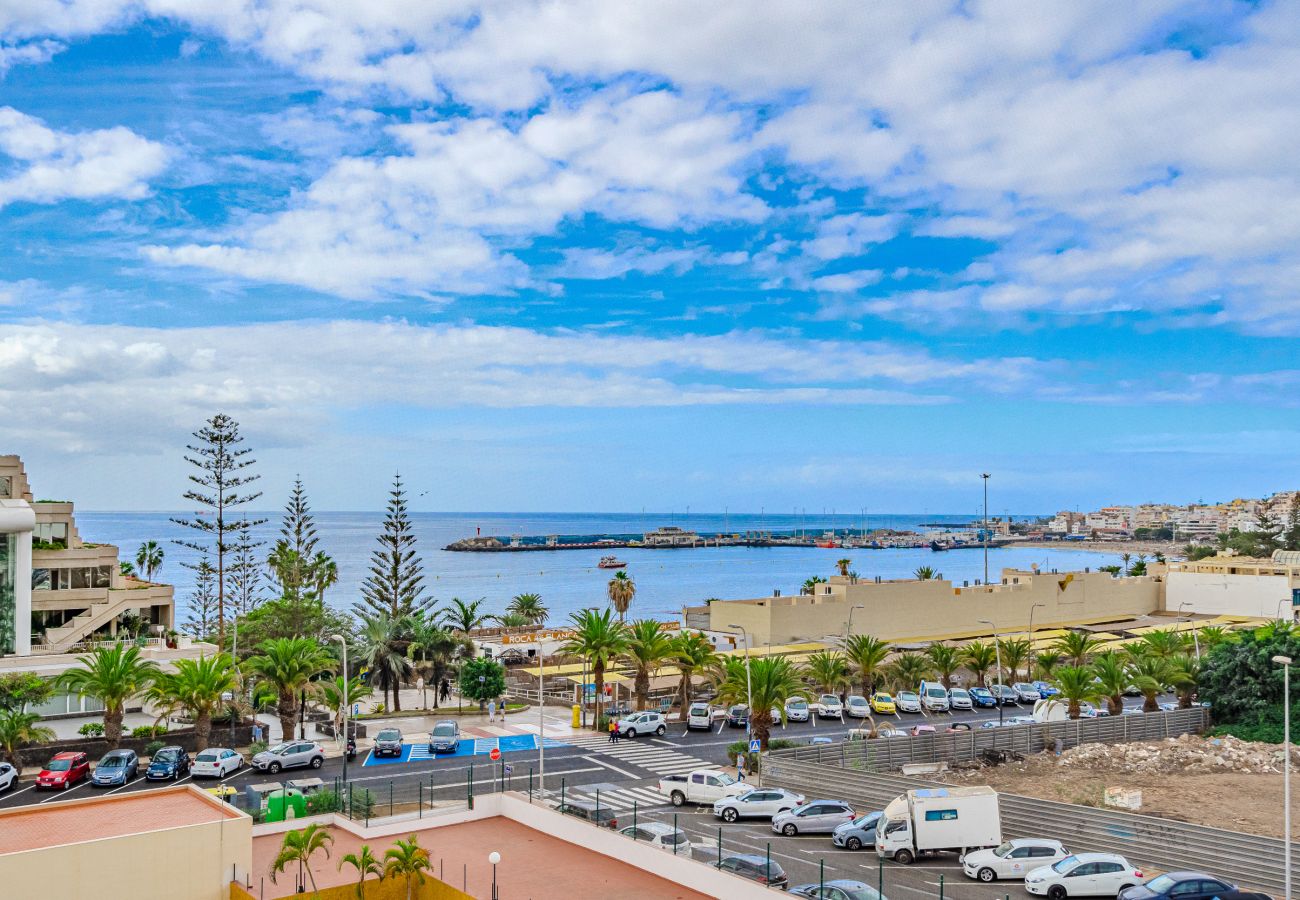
(568, 580)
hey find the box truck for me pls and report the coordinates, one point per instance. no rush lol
(938, 819)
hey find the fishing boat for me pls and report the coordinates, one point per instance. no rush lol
(611, 562)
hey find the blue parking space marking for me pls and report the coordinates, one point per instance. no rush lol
(404, 756)
(512, 743)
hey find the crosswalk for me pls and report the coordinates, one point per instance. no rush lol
(645, 753)
(639, 797)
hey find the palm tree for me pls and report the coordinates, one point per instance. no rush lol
(331, 695)
(771, 681)
(1076, 686)
(600, 640)
(621, 590)
(868, 653)
(324, 573)
(197, 687)
(113, 675)
(407, 860)
(1213, 635)
(464, 617)
(810, 584)
(149, 559)
(1113, 679)
(693, 653)
(18, 728)
(829, 670)
(126, 567)
(288, 666)
(924, 573)
(843, 566)
(509, 619)
(1185, 676)
(907, 671)
(1076, 646)
(944, 660)
(979, 658)
(1159, 557)
(1047, 663)
(1150, 676)
(530, 607)
(648, 647)
(299, 847)
(1164, 644)
(437, 650)
(1125, 557)
(366, 864)
(290, 568)
(1014, 652)
(383, 641)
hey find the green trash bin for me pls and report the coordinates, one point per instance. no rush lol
(286, 804)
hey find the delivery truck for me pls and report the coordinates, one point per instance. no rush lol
(935, 820)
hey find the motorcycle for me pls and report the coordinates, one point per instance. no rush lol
(352, 749)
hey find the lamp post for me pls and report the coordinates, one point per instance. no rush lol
(985, 476)
(1031, 635)
(494, 858)
(848, 629)
(749, 688)
(1196, 641)
(997, 649)
(541, 713)
(1285, 663)
(346, 707)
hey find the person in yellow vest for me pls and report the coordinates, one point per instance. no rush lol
(613, 731)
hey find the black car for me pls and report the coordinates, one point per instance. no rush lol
(839, 889)
(738, 716)
(388, 743)
(168, 763)
(755, 868)
(1186, 886)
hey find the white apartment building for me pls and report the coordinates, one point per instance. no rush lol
(1112, 518)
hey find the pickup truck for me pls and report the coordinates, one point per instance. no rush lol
(701, 786)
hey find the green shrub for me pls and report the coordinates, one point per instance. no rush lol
(153, 747)
(361, 804)
(147, 731)
(91, 730)
(322, 802)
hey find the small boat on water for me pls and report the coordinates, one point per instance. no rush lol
(611, 562)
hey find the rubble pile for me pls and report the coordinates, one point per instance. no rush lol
(1186, 754)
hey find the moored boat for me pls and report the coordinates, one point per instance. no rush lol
(611, 562)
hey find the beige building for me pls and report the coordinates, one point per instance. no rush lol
(911, 610)
(1236, 585)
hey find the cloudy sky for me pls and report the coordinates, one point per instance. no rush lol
(605, 256)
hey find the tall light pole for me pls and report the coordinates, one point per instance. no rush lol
(848, 629)
(1196, 641)
(749, 687)
(985, 476)
(1031, 634)
(541, 713)
(997, 648)
(346, 707)
(1285, 663)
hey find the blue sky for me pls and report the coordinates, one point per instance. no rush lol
(591, 256)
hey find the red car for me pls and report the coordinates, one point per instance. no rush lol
(65, 770)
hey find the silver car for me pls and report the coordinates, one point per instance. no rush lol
(445, 737)
(817, 817)
(388, 742)
(290, 755)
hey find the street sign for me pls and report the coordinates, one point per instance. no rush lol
(495, 754)
(356, 709)
(509, 768)
(755, 745)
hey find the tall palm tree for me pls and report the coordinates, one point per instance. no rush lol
(944, 660)
(17, 729)
(324, 574)
(291, 569)
(924, 573)
(464, 617)
(332, 697)
(1113, 678)
(868, 653)
(979, 657)
(843, 566)
(509, 619)
(1047, 663)
(810, 584)
(648, 648)
(113, 675)
(771, 682)
(299, 847)
(693, 654)
(1076, 686)
(407, 860)
(1014, 652)
(621, 590)
(1185, 676)
(366, 864)
(1213, 635)
(907, 671)
(1076, 646)
(197, 687)
(829, 670)
(600, 640)
(1125, 557)
(1164, 644)
(530, 607)
(437, 650)
(149, 559)
(288, 665)
(1150, 676)
(383, 641)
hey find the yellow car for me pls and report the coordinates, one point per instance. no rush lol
(882, 703)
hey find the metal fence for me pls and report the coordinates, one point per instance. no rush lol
(890, 754)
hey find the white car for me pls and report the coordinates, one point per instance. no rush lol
(828, 706)
(642, 723)
(660, 835)
(796, 710)
(858, 707)
(216, 762)
(762, 803)
(1013, 859)
(907, 701)
(934, 698)
(1084, 875)
(959, 698)
(8, 776)
(700, 715)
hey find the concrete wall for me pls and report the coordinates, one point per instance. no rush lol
(1228, 595)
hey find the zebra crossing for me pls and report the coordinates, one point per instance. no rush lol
(644, 753)
(643, 796)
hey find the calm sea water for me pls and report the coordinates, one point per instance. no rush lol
(569, 580)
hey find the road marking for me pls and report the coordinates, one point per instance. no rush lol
(665, 743)
(124, 786)
(16, 793)
(600, 762)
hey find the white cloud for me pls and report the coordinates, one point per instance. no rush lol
(849, 235)
(844, 282)
(29, 53)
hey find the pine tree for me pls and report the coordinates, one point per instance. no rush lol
(203, 601)
(1293, 523)
(394, 586)
(221, 465)
(292, 557)
(244, 576)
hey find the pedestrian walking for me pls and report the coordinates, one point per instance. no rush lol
(613, 732)
(740, 767)
(257, 732)
(492, 710)
(446, 689)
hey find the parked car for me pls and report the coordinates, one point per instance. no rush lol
(859, 833)
(1185, 886)
(761, 803)
(115, 768)
(8, 776)
(445, 736)
(64, 770)
(1012, 859)
(918, 730)
(1084, 875)
(738, 716)
(1026, 693)
(290, 755)
(388, 742)
(839, 889)
(817, 817)
(1008, 694)
(642, 723)
(169, 762)
(1045, 690)
(216, 762)
(699, 716)
(982, 697)
(661, 835)
(796, 710)
(959, 698)
(883, 703)
(701, 786)
(934, 697)
(755, 868)
(907, 702)
(829, 707)
(857, 707)
(603, 816)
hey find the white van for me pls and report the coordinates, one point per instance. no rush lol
(699, 716)
(934, 697)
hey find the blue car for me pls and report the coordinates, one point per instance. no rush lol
(1192, 885)
(116, 768)
(169, 763)
(1045, 690)
(859, 833)
(982, 697)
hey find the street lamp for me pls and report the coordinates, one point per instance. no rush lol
(494, 858)
(1196, 641)
(1031, 634)
(346, 707)
(1285, 663)
(749, 687)
(985, 476)
(997, 648)
(848, 629)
